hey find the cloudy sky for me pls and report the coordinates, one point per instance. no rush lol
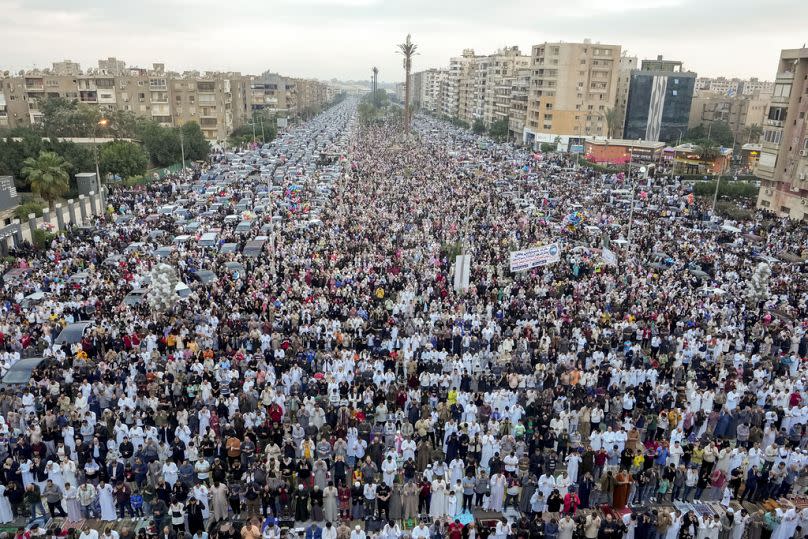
(344, 38)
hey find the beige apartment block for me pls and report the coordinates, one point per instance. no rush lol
(427, 89)
(739, 112)
(572, 87)
(218, 101)
(494, 82)
(783, 163)
(459, 89)
(66, 67)
(517, 113)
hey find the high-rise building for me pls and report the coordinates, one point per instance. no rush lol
(572, 87)
(519, 93)
(496, 74)
(626, 66)
(659, 98)
(783, 163)
(427, 89)
(459, 87)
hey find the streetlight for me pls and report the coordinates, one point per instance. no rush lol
(103, 122)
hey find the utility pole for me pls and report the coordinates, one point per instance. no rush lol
(103, 122)
(633, 193)
(182, 148)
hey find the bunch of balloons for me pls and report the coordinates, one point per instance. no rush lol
(162, 292)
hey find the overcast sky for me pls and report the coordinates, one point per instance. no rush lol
(345, 38)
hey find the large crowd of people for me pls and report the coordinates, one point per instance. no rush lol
(340, 381)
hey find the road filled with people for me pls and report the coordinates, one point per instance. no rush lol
(284, 337)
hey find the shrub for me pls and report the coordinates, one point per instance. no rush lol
(732, 210)
(21, 212)
(733, 190)
(42, 238)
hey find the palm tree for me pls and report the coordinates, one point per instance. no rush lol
(375, 85)
(48, 176)
(408, 49)
(611, 121)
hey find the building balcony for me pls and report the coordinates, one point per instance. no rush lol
(773, 123)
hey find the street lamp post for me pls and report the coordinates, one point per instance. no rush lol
(103, 122)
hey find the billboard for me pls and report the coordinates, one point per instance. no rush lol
(462, 272)
(8, 193)
(535, 257)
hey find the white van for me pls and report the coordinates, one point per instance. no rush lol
(208, 239)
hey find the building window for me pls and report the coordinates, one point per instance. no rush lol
(778, 113)
(782, 90)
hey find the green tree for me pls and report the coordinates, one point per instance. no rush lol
(612, 122)
(48, 176)
(244, 134)
(161, 143)
(499, 130)
(478, 127)
(751, 133)
(79, 156)
(407, 49)
(546, 147)
(196, 147)
(122, 159)
(68, 118)
(718, 132)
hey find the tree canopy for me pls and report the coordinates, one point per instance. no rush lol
(122, 158)
(48, 176)
(499, 130)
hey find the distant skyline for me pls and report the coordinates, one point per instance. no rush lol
(343, 39)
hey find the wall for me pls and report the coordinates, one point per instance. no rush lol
(73, 212)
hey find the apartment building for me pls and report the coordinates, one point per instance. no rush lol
(112, 66)
(274, 94)
(625, 67)
(659, 99)
(496, 81)
(427, 89)
(311, 94)
(219, 101)
(739, 112)
(572, 86)
(783, 162)
(459, 89)
(517, 114)
(66, 67)
(734, 86)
